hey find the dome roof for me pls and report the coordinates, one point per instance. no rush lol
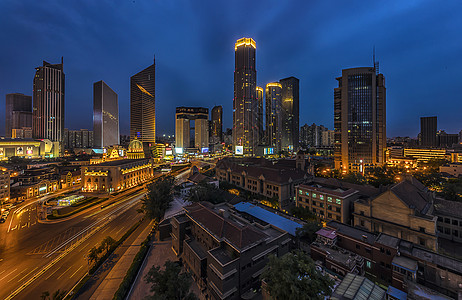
(135, 146)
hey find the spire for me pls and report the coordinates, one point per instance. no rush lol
(376, 63)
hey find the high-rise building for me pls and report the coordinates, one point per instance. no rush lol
(428, 129)
(82, 138)
(18, 112)
(200, 116)
(217, 123)
(48, 102)
(312, 135)
(290, 113)
(142, 105)
(105, 115)
(260, 127)
(274, 115)
(245, 132)
(359, 119)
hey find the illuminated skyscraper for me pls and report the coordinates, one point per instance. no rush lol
(274, 115)
(142, 105)
(245, 131)
(290, 114)
(217, 123)
(48, 102)
(18, 113)
(428, 127)
(200, 116)
(260, 115)
(105, 115)
(359, 119)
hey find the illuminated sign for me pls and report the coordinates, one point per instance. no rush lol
(239, 150)
(1, 152)
(179, 150)
(205, 150)
(268, 151)
(121, 152)
(19, 151)
(168, 151)
(29, 150)
(42, 189)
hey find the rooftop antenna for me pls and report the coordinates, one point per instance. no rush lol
(376, 63)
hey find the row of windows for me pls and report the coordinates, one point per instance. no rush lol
(320, 196)
(450, 221)
(447, 231)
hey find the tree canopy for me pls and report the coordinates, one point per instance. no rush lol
(294, 276)
(159, 197)
(170, 283)
(204, 191)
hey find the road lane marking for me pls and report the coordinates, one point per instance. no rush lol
(75, 272)
(15, 276)
(56, 270)
(27, 274)
(8, 274)
(12, 217)
(2, 271)
(64, 272)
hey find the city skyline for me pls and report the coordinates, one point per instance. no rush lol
(403, 44)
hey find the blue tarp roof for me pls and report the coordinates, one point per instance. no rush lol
(395, 293)
(269, 217)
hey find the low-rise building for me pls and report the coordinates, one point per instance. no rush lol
(262, 177)
(403, 210)
(452, 169)
(225, 250)
(449, 222)
(117, 175)
(28, 148)
(4, 186)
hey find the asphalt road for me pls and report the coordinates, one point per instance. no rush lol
(36, 257)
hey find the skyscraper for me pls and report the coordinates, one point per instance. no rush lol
(200, 117)
(142, 105)
(18, 112)
(105, 115)
(290, 114)
(260, 104)
(428, 127)
(245, 132)
(359, 119)
(273, 115)
(217, 123)
(48, 102)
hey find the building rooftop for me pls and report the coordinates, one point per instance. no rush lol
(327, 233)
(388, 240)
(197, 247)
(405, 263)
(339, 255)
(396, 293)
(269, 217)
(364, 190)
(333, 190)
(358, 287)
(221, 255)
(239, 235)
(119, 162)
(413, 193)
(448, 208)
(353, 232)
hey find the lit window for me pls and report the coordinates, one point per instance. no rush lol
(368, 264)
(329, 199)
(300, 192)
(307, 193)
(314, 195)
(338, 201)
(321, 197)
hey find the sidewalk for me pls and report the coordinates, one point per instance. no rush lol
(111, 283)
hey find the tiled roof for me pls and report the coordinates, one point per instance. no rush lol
(365, 190)
(353, 232)
(413, 193)
(223, 228)
(448, 208)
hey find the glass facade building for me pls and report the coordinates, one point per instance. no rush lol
(105, 116)
(290, 114)
(359, 120)
(274, 115)
(18, 112)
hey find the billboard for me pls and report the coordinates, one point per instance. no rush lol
(29, 151)
(168, 151)
(19, 151)
(179, 150)
(239, 150)
(268, 151)
(205, 150)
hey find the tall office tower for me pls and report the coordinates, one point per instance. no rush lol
(260, 126)
(200, 117)
(18, 112)
(290, 113)
(105, 116)
(428, 131)
(274, 115)
(217, 123)
(142, 105)
(359, 119)
(245, 132)
(48, 102)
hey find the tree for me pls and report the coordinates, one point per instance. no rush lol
(294, 276)
(107, 243)
(93, 254)
(354, 177)
(58, 295)
(308, 231)
(170, 283)
(204, 191)
(158, 198)
(303, 213)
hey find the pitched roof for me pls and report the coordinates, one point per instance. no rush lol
(222, 228)
(448, 208)
(413, 193)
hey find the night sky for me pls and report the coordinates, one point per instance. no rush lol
(418, 45)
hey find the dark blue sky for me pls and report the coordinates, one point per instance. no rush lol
(418, 44)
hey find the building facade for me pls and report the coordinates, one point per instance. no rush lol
(183, 118)
(224, 252)
(117, 175)
(217, 124)
(28, 148)
(105, 116)
(82, 138)
(260, 107)
(18, 113)
(4, 187)
(290, 113)
(359, 119)
(48, 102)
(428, 127)
(245, 106)
(143, 105)
(449, 222)
(274, 115)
